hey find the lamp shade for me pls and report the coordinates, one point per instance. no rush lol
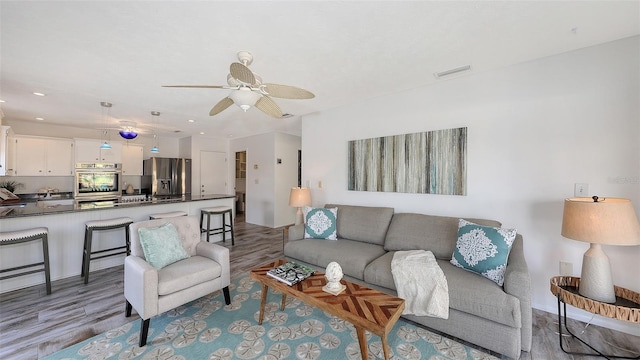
(609, 221)
(299, 197)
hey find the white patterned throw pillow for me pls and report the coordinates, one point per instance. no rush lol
(483, 249)
(320, 223)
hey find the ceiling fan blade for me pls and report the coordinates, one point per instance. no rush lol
(196, 86)
(268, 106)
(287, 92)
(220, 106)
(242, 73)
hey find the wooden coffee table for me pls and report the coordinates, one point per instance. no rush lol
(365, 308)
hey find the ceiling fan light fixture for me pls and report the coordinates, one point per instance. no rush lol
(245, 98)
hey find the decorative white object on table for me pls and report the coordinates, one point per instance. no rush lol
(334, 275)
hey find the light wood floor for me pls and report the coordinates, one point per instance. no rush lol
(33, 325)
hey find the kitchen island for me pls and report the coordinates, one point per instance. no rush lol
(66, 232)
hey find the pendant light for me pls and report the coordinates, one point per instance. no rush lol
(105, 105)
(155, 149)
(129, 130)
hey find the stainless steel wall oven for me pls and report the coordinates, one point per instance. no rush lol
(98, 181)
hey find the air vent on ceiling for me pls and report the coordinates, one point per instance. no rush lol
(286, 115)
(460, 69)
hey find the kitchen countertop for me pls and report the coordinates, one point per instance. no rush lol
(37, 207)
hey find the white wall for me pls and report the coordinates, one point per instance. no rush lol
(259, 206)
(534, 130)
(286, 177)
(268, 185)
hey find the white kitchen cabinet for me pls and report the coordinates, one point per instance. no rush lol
(89, 151)
(132, 156)
(35, 156)
(7, 151)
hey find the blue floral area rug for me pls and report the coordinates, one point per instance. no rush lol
(210, 330)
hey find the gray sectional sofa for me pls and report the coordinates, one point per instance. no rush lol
(481, 312)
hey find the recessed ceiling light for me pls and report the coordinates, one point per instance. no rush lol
(1, 101)
(201, 132)
(191, 120)
(39, 118)
(39, 94)
(230, 135)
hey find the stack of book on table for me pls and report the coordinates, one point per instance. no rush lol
(290, 273)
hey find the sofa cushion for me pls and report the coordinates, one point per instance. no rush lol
(161, 245)
(437, 234)
(363, 223)
(483, 249)
(468, 292)
(199, 269)
(321, 253)
(320, 223)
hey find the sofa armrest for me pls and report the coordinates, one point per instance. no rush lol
(517, 282)
(219, 254)
(296, 232)
(141, 286)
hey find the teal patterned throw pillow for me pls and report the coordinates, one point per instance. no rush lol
(320, 223)
(161, 245)
(483, 249)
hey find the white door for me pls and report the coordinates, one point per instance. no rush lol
(213, 172)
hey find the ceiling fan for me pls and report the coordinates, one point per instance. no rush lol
(248, 90)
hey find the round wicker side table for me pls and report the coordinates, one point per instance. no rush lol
(626, 307)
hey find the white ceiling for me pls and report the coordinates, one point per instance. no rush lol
(80, 53)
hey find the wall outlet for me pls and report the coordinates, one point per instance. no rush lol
(581, 190)
(566, 268)
(320, 184)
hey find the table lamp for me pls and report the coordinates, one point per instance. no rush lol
(598, 221)
(299, 197)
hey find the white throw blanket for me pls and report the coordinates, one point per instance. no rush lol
(421, 283)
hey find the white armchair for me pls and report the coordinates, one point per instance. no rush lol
(151, 292)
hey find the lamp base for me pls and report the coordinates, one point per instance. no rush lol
(596, 281)
(299, 216)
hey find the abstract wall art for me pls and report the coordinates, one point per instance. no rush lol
(432, 162)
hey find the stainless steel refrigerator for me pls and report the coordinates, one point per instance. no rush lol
(167, 176)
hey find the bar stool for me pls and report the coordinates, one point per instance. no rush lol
(20, 236)
(98, 225)
(224, 228)
(167, 215)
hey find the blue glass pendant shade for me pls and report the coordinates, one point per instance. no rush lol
(129, 135)
(105, 145)
(154, 150)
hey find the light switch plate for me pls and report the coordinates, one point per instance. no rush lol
(581, 190)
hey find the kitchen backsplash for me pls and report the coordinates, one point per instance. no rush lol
(33, 184)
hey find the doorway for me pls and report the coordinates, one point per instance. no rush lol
(241, 181)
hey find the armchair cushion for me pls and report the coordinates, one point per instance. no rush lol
(186, 273)
(161, 245)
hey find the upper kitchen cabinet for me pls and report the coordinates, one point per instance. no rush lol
(7, 151)
(89, 151)
(132, 156)
(37, 156)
